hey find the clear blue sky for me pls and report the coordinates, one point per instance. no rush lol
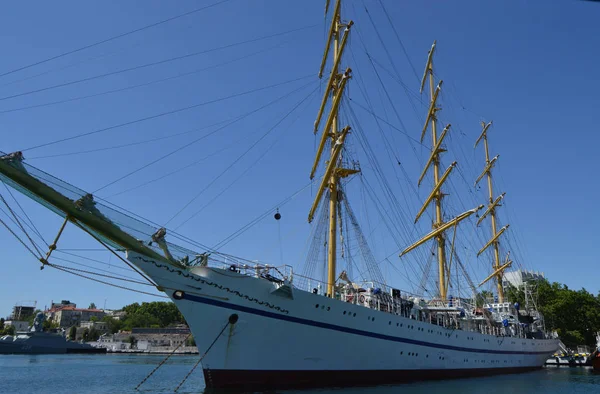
(530, 66)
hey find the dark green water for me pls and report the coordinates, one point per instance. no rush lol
(61, 374)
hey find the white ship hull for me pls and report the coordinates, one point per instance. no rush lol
(312, 340)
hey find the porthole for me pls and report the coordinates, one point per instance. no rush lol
(316, 306)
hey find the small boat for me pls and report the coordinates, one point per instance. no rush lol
(560, 360)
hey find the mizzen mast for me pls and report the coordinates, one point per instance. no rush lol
(334, 171)
(436, 195)
(491, 211)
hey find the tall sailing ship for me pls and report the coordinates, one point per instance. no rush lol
(262, 326)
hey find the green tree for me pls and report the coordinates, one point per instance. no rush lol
(190, 341)
(10, 330)
(575, 315)
(92, 306)
(94, 318)
(48, 325)
(72, 333)
(151, 314)
(132, 340)
(93, 334)
(86, 334)
(113, 324)
(514, 294)
(483, 297)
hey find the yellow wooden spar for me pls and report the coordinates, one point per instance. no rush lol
(334, 171)
(436, 149)
(498, 271)
(491, 211)
(436, 195)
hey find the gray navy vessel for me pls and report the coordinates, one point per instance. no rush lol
(37, 341)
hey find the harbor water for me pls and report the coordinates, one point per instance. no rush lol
(121, 373)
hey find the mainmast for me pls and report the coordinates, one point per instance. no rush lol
(333, 172)
(491, 210)
(439, 226)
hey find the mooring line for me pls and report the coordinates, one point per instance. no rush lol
(163, 361)
(231, 321)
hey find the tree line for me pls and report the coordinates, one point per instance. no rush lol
(573, 314)
(146, 315)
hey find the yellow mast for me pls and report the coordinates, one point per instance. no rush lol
(333, 172)
(491, 210)
(436, 194)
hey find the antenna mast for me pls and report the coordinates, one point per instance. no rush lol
(491, 210)
(333, 172)
(436, 194)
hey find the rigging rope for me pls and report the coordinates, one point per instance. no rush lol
(32, 227)
(151, 64)
(20, 240)
(399, 41)
(187, 145)
(106, 283)
(113, 252)
(64, 251)
(98, 270)
(16, 221)
(254, 221)
(112, 38)
(389, 56)
(143, 84)
(236, 161)
(160, 114)
(125, 279)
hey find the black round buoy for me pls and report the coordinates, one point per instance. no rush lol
(233, 318)
(277, 216)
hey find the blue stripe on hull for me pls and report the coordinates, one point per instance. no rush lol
(348, 330)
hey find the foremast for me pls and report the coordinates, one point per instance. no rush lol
(491, 211)
(436, 195)
(334, 170)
